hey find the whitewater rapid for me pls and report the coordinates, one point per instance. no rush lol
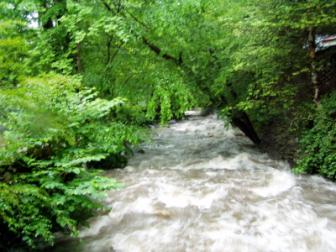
(200, 186)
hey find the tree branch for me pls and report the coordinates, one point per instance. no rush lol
(154, 48)
(107, 6)
(158, 51)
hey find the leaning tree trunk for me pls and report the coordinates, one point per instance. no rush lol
(241, 120)
(313, 64)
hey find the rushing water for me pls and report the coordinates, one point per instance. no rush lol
(202, 187)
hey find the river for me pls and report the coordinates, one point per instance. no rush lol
(200, 186)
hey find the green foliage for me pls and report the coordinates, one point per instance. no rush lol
(53, 131)
(13, 50)
(169, 100)
(318, 144)
(108, 44)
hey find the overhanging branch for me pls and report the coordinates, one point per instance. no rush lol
(154, 48)
(158, 51)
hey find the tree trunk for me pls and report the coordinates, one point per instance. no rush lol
(313, 64)
(241, 120)
(78, 58)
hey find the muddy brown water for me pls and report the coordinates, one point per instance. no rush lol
(201, 186)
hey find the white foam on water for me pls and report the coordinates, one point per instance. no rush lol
(95, 227)
(202, 187)
(240, 161)
(280, 182)
(179, 197)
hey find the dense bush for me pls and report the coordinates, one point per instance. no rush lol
(318, 144)
(52, 130)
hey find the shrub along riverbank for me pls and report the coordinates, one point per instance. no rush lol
(55, 133)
